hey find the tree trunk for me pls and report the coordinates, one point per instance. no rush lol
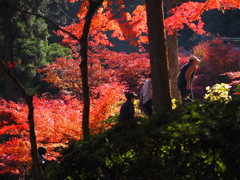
(28, 99)
(93, 6)
(8, 48)
(34, 153)
(158, 56)
(172, 44)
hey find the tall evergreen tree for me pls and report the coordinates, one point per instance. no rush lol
(29, 45)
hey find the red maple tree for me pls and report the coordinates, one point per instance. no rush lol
(57, 121)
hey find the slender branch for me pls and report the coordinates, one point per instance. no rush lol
(93, 6)
(13, 77)
(202, 9)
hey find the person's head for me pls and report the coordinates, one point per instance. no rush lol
(42, 150)
(194, 60)
(149, 75)
(129, 96)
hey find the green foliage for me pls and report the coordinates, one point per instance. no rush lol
(198, 140)
(54, 51)
(219, 92)
(31, 47)
(32, 50)
(111, 119)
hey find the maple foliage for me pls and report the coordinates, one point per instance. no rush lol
(57, 121)
(190, 13)
(131, 26)
(217, 56)
(48, 132)
(124, 25)
(105, 106)
(11, 65)
(235, 81)
(65, 74)
(60, 73)
(130, 68)
(235, 77)
(105, 66)
(182, 60)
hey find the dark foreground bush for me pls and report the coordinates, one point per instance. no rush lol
(195, 141)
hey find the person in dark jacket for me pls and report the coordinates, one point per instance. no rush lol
(127, 110)
(42, 161)
(185, 78)
(41, 155)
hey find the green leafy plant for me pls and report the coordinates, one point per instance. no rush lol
(197, 140)
(219, 92)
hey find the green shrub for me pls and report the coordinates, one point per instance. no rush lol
(197, 140)
(219, 92)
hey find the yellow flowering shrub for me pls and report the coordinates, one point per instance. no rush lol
(219, 92)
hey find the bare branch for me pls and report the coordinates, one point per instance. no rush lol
(13, 77)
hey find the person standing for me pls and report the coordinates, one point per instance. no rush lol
(185, 78)
(41, 155)
(127, 110)
(146, 96)
(42, 161)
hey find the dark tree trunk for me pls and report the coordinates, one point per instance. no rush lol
(34, 153)
(8, 47)
(28, 99)
(158, 56)
(172, 43)
(93, 6)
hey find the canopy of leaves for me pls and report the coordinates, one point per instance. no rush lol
(105, 66)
